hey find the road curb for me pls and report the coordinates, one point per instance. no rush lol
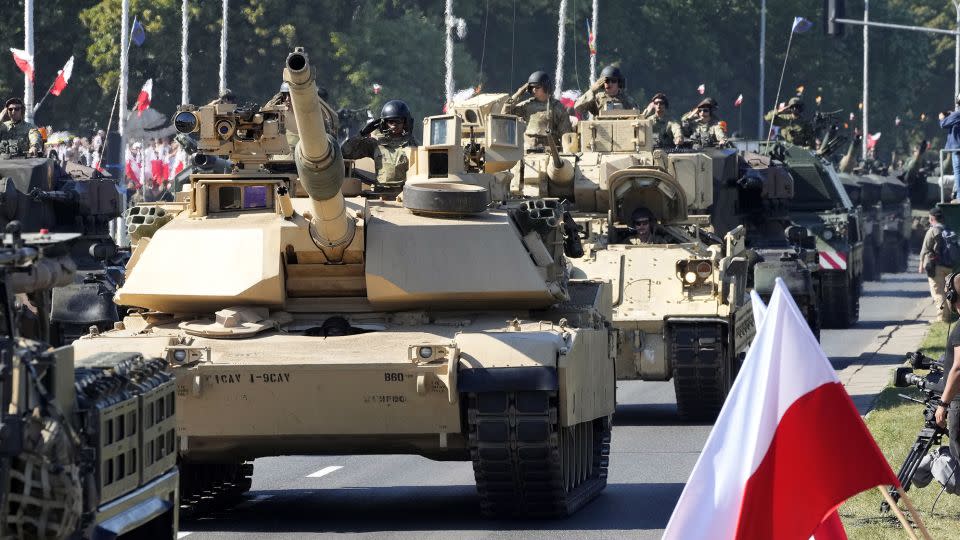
(866, 378)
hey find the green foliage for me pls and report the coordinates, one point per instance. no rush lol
(670, 45)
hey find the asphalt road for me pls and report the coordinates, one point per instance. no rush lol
(652, 454)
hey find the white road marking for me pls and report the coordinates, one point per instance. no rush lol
(325, 471)
(183, 534)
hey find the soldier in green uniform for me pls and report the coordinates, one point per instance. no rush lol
(613, 83)
(794, 128)
(386, 139)
(701, 125)
(541, 111)
(666, 132)
(19, 138)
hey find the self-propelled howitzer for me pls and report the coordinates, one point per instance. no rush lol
(261, 289)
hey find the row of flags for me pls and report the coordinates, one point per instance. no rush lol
(25, 62)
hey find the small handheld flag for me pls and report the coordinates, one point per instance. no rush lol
(63, 77)
(702, 89)
(146, 94)
(24, 61)
(801, 25)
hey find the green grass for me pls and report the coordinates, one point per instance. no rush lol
(895, 423)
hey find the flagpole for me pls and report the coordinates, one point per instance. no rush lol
(184, 57)
(448, 52)
(904, 522)
(561, 42)
(593, 31)
(866, 80)
(763, 71)
(39, 103)
(223, 49)
(779, 87)
(28, 47)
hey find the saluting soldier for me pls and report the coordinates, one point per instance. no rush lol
(794, 128)
(702, 126)
(386, 139)
(666, 132)
(606, 93)
(541, 111)
(19, 138)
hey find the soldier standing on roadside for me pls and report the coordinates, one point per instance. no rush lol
(666, 132)
(794, 128)
(386, 139)
(613, 83)
(702, 126)
(19, 138)
(929, 264)
(541, 111)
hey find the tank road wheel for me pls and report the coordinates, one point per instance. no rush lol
(702, 369)
(839, 301)
(525, 463)
(205, 487)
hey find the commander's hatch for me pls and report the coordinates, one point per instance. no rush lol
(650, 188)
(215, 195)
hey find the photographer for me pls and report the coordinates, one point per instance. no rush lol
(948, 410)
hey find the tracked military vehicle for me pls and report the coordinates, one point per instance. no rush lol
(88, 446)
(444, 326)
(41, 195)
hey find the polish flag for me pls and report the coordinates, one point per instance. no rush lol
(739, 101)
(872, 139)
(568, 98)
(63, 77)
(143, 100)
(24, 61)
(788, 446)
(702, 89)
(134, 173)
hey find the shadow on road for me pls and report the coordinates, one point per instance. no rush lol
(430, 508)
(895, 294)
(651, 414)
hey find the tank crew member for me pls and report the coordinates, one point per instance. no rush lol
(666, 132)
(643, 226)
(612, 83)
(541, 111)
(929, 264)
(948, 410)
(794, 128)
(386, 139)
(19, 138)
(702, 126)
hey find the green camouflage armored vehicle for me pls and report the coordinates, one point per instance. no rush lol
(88, 447)
(444, 325)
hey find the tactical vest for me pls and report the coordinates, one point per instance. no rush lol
(392, 161)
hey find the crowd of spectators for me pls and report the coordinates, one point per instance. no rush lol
(150, 165)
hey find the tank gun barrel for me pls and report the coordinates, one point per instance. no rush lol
(317, 156)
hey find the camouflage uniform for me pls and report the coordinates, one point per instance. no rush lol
(388, 153)
(541, 116)
(595, 101)
(666, 132)
(793, 128)
(17, 139)
(709, 133)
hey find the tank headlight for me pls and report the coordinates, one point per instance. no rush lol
(690, 278)
(828, 234)
(180, 355)
(425, 352)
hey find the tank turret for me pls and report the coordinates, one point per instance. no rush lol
(318, 158)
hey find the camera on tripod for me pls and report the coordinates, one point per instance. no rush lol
(932, 382)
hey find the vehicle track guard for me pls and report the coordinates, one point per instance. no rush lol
(508, 379)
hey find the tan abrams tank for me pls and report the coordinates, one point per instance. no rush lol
(301, 321)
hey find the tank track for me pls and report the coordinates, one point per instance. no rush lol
(208, 487)
(526, 464)
(702, 371)
(839, 308)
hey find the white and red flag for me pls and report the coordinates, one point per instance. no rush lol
(63, 77)
(739, 101)
(702, 89)
(146, 94)
(24, 61)
(872, 139)
(788, 446)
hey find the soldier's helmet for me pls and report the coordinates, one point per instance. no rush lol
(13, 101)
(707, 103)
(397, 109)
(613, 72)
(641, 213)
(541, 78)
(662, 97)
(795, 103)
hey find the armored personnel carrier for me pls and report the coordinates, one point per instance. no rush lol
(41, 195)
(87, 447)
(444, 326)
